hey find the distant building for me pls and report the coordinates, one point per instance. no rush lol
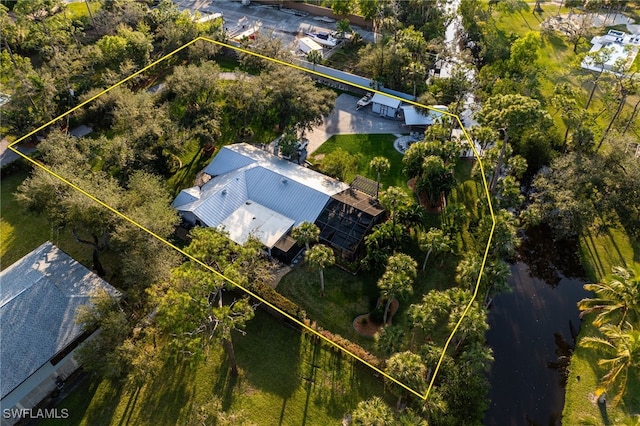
(418, 120)
(254, 193)
(624, 51)
(39, 297)
(306, 45)
(385, 106)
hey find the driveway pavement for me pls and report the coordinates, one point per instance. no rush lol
(7, 156)
(345, 120)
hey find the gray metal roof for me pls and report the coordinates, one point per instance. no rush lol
(386, 100)
(284, 195)
(288, 189)
(229, 159)
(39, 296)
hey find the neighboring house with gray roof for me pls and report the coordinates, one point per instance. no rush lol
(39, 297)
(252, 192)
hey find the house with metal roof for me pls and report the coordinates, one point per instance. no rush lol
(39, 297)
(254, 193)
(386, 106)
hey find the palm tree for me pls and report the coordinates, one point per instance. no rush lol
(392, 200)
(624, 346)
(373, 412)
(436, 180)
(229, 318)
(434, 240)
(315, 57)
(397, 279)
(380, 165)
(305, 233)
(617, 300)
(319, 257)
(407, 368)
(389, 339)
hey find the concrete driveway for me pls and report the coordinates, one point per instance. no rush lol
(284, 23)
(346, 120)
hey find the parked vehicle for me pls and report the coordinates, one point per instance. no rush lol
(364, 101)
(323, 38)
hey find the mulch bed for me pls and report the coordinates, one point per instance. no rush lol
(369, 329)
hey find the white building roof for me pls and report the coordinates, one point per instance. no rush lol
(386, 100)
(414, 118)
(252, 218)
(39, 297)
(624, 50)
(310, 43)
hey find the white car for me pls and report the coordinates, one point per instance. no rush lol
(323, 38)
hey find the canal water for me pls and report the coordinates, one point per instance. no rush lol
(532, 330)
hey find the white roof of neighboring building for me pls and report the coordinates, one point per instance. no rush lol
(624, 50)
(414, 118)
(310, 43)
(385, 100)
(39, 297)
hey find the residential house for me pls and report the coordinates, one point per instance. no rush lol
(39, 297)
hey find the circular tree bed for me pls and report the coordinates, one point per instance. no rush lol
(365, 327)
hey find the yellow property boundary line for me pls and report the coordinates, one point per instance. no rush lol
(421, 395)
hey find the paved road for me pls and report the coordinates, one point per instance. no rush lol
(7, 156)
(345, 119)
(284, 23)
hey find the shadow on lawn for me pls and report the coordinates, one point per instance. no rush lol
(269, 356)
(167, 395)
(103, 411)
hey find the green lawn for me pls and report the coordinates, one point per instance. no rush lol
(79, 10)
(368, 146)
(22, 231)
(284, 379)
(600, 252)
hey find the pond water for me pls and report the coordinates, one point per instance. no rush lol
(532, 330)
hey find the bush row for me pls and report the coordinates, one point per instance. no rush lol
(279, 301)
(347, 344)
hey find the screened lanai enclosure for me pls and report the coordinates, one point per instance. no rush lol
(345, 220)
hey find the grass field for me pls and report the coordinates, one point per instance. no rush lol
(367, 146)
(285, 379)
(600, 252)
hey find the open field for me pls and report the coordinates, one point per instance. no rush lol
(285, 378)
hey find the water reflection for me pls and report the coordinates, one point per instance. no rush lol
(532, 329)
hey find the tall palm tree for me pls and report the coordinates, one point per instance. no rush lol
(305, 233)
(397, 279)
(380, 165)
(373, 412)
(623, 344)
(617, 301)
(407, 368)
(392, 200)
(319, 257)
(434, 241)
(390, 339)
